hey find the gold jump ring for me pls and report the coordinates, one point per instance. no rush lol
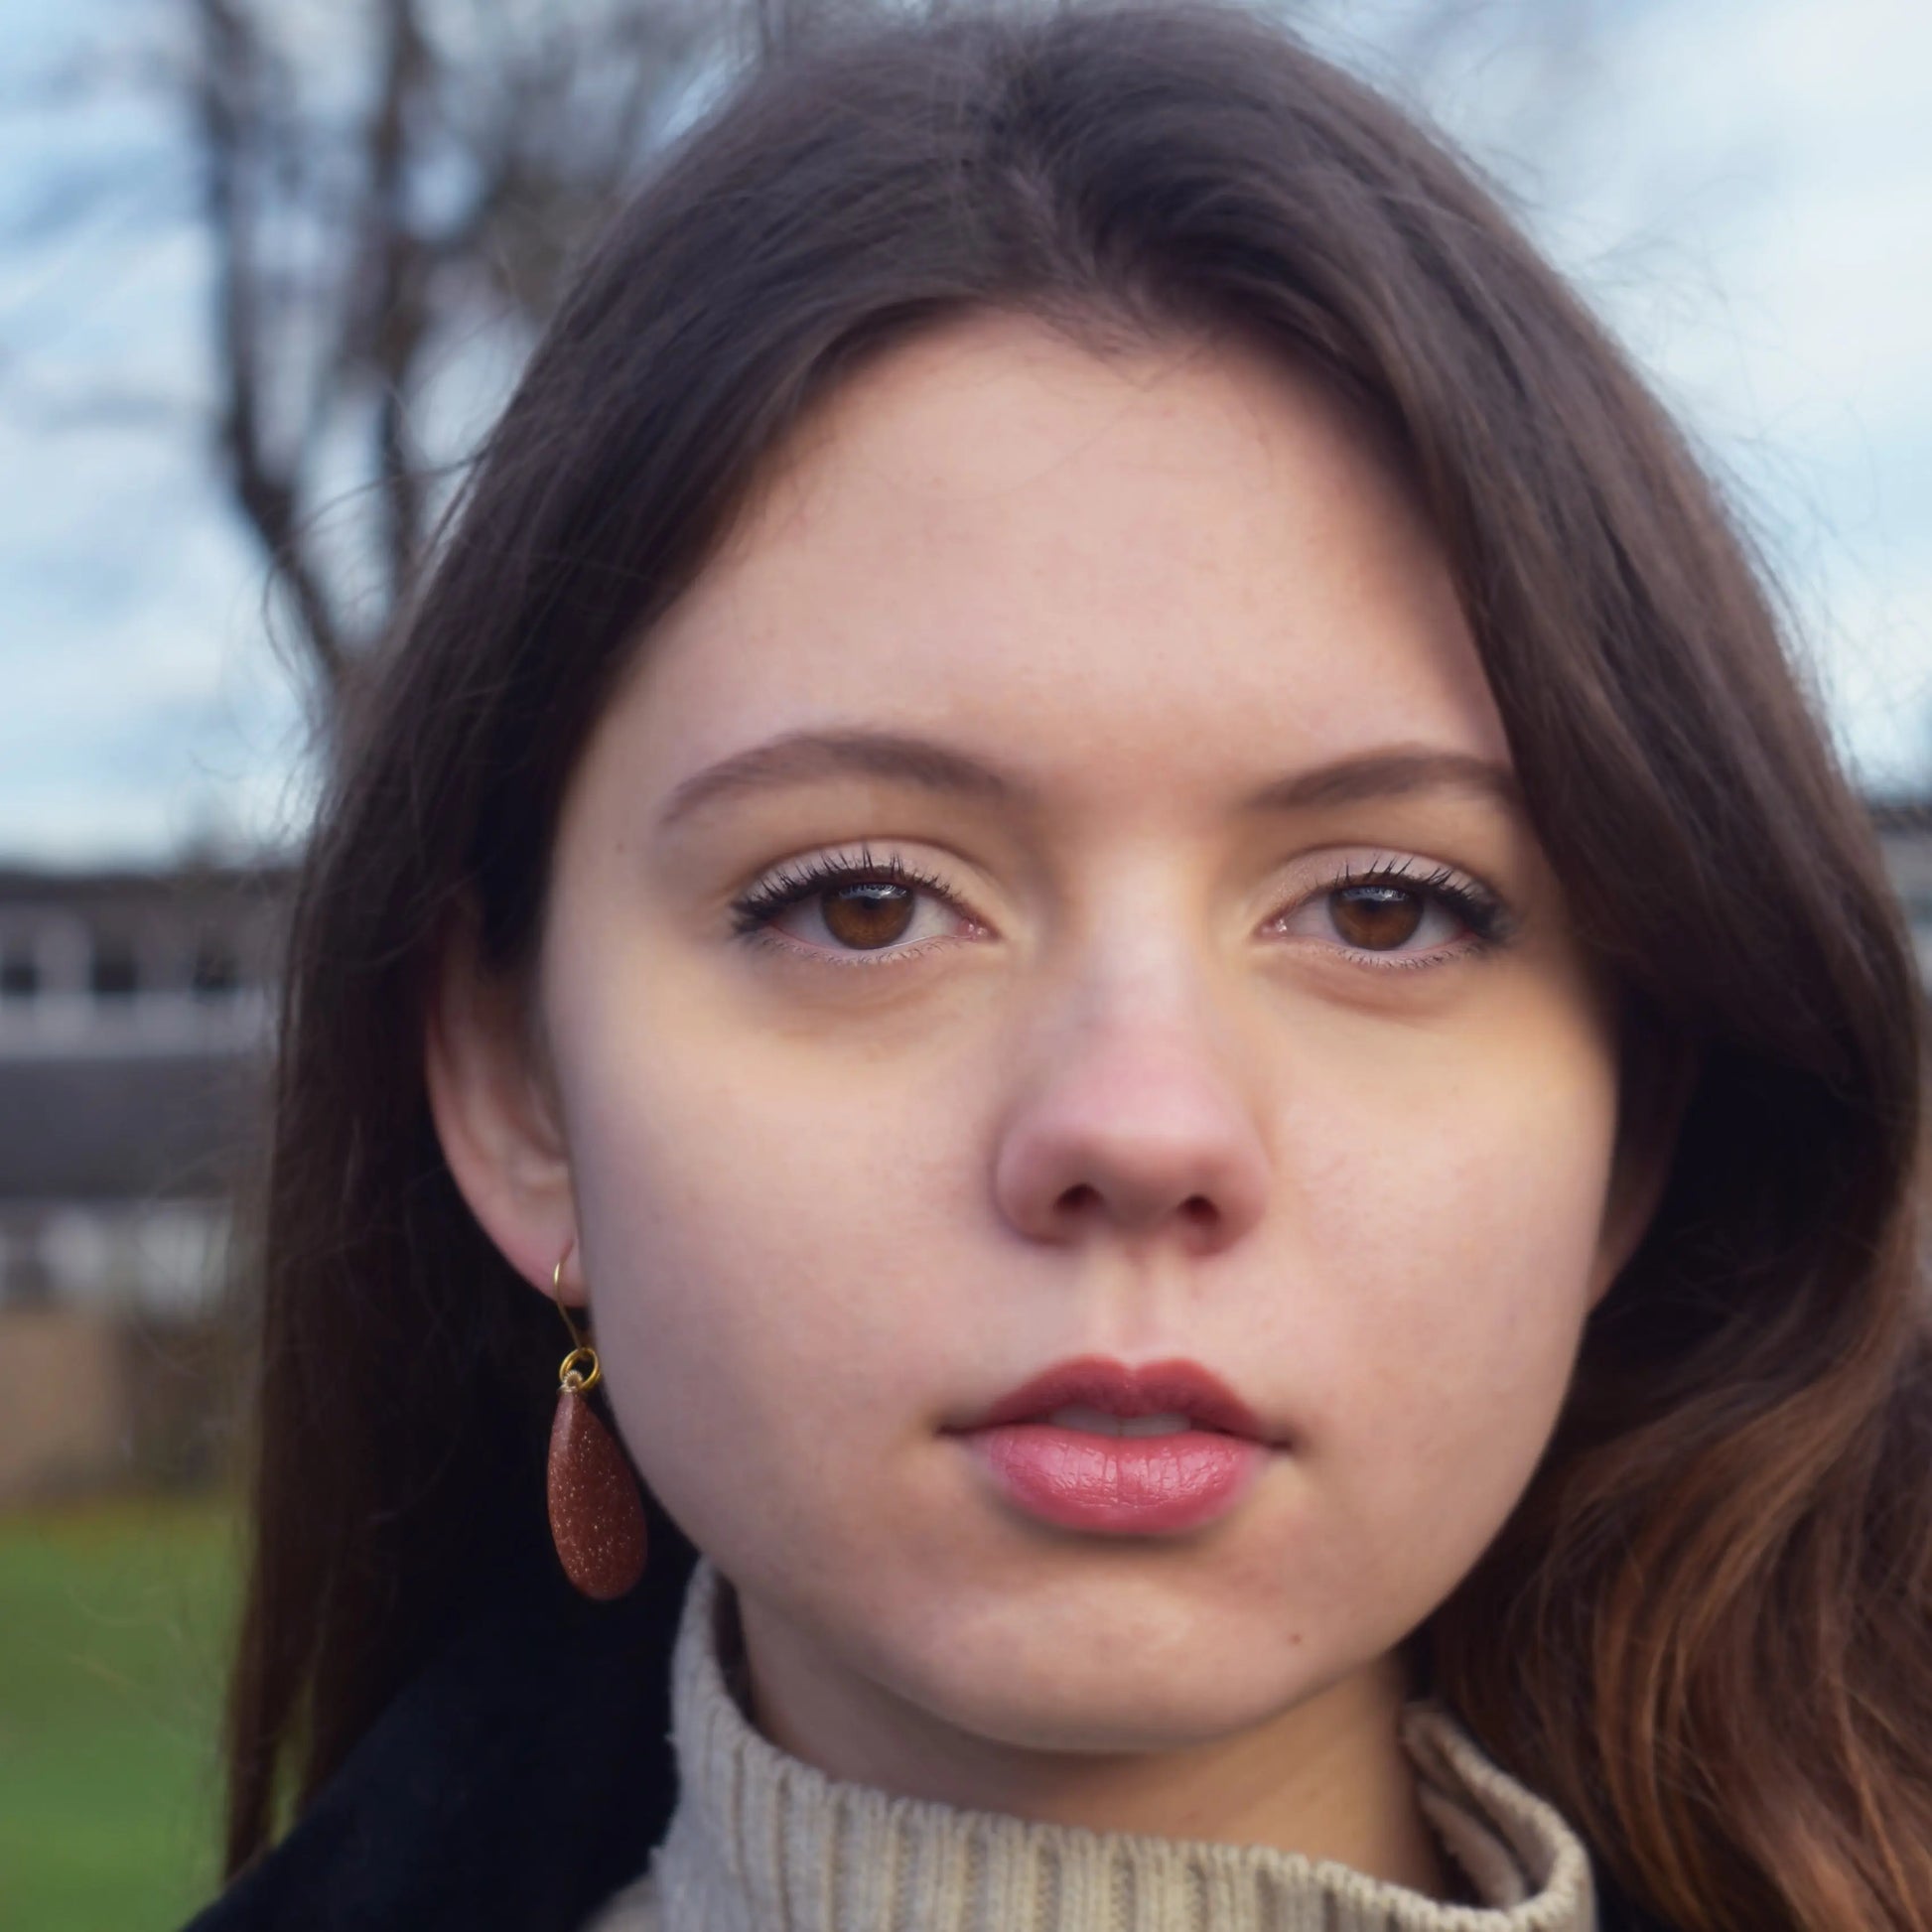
(571, 1377)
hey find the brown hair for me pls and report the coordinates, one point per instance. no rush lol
(1704, 1635)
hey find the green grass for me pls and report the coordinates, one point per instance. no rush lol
(113, 1622)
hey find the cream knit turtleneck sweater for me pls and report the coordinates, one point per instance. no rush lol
(763, 1843)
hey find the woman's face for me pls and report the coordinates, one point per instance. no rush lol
(952, 972)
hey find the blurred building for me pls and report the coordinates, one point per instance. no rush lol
(1905, 837)
(135, 1015)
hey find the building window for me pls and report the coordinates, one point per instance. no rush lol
(114, 973)
(216, 973)
(20, 971)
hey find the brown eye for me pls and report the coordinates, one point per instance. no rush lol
(869, 913)
(1376, 917)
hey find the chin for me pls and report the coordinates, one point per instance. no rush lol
(1112, 1687)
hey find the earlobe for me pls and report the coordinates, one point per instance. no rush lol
(494, 1110)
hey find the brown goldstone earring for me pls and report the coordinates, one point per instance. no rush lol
(597, 1517)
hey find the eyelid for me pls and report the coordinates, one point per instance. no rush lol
(791, 882)
(1346, 865)
(1483, 912)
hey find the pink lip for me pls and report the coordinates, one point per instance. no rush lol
(1158, 1388)
(1121, 1485)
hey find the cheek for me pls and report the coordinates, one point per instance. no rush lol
(1449, 1212)
(766, 1248)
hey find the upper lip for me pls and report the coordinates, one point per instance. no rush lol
(1154, 1389)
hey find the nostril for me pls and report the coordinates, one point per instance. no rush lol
(1199, 1210)
(1080, 1197)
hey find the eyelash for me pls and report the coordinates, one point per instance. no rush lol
(1475, 905)
(754, 912)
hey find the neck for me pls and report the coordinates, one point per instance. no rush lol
(1326, 1778)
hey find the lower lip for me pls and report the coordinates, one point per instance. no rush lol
(1118, 1485)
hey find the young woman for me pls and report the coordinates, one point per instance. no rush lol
(1090, 830)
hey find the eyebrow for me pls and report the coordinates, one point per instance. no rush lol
(802, 758)
(1390, 774)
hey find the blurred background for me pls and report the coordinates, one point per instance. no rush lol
(267, 267)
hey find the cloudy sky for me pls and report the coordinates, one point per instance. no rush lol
(1744, 188)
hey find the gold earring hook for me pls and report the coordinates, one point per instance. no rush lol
(570, 1374)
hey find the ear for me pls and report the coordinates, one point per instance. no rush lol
(495, 1108)
(1659, 1075)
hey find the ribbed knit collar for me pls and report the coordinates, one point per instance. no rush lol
(762, 1842)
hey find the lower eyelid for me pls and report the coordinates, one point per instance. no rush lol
(772, 940)
(1484, 926)
(1384, 962)
(1415, 961)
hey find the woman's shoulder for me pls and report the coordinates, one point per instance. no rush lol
(633, 1910)
(1617, 1913)
(508, 1784)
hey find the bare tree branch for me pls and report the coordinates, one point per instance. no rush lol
(424, 186)
(389, 184)
(395, 321)
(229, 100)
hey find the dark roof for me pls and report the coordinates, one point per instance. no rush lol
(184, 885)
(1901, 814)
(154, 1126)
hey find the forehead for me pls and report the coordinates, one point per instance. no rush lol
(1186, 554)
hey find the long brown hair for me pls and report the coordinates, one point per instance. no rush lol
(1703, 1633)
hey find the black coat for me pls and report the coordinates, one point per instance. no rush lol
(502, 1789)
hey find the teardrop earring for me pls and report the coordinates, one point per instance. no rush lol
(597, 1516)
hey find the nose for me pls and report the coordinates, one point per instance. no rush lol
(1137, 1128)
